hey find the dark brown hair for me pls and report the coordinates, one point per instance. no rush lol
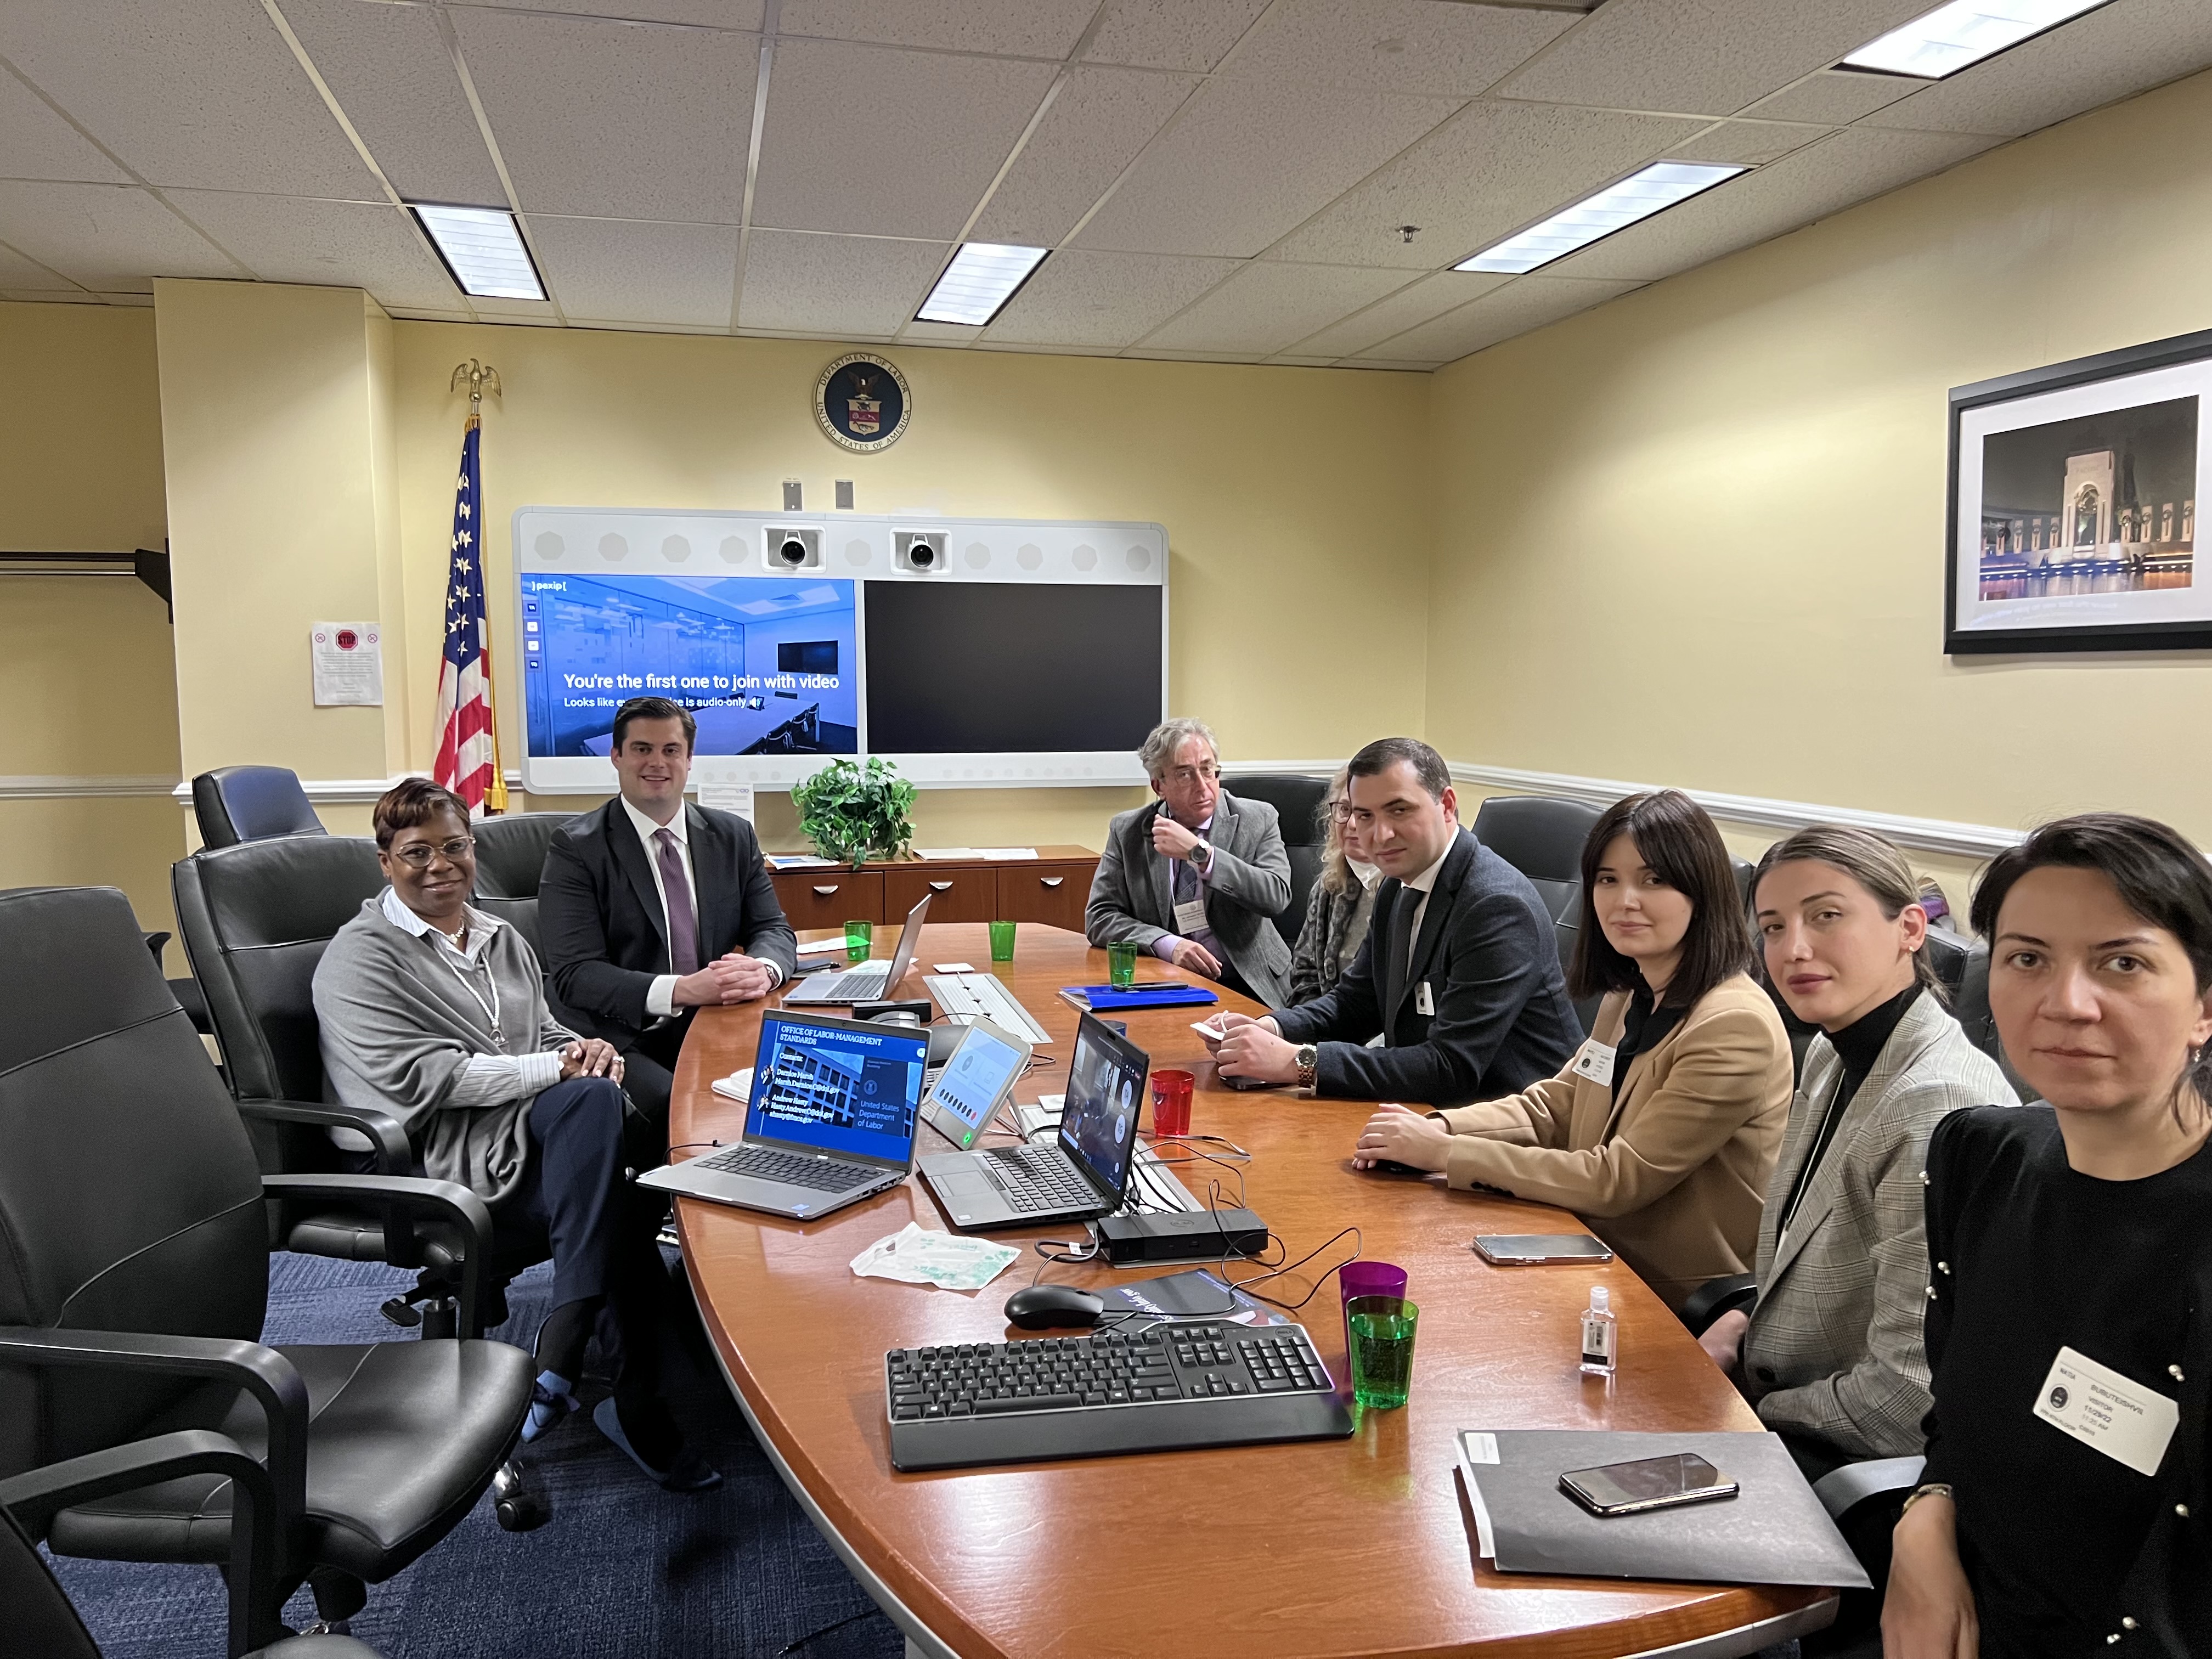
(654, 708)
(1675, 838)
(1867, 859)
(411, 802)
(1385, 753)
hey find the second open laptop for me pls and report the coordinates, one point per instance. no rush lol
(1083, 1174)
(865, 981)
(835, 1107)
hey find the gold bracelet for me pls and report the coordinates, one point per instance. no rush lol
(1934, 1489)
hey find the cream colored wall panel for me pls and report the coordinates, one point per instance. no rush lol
(1269, 305)
(1097, 124)
(1525, 303)
(130, 844)
(106, 237)
(1393, 45)
(288, 239)
(1170, 34)
(622, 271)
(1077, 298)
(1018, 28)
(808, 283)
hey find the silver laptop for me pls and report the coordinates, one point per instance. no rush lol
(834, 1107)
(867, 981)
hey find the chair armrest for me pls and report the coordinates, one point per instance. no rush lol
(403, 1196)
(1735, 1293)
(394, 1154)
(1843, 1490)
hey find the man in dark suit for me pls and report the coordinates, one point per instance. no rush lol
(1460, 972)
(650, 908)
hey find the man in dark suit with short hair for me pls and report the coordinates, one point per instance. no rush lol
(650, 908)
(1460, 973)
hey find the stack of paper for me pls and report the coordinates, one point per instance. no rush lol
(914, 1256)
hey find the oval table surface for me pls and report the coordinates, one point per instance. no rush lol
(1315, 1549)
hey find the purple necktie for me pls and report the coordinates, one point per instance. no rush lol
(683, 923)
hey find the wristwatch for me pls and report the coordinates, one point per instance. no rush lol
(1309, 1058)
(1204, 853)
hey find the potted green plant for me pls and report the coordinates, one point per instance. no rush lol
(850, 809)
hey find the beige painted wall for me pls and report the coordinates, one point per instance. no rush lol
(87, 686)
(1696, 537)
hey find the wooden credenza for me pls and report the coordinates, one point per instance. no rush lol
(1052, 888)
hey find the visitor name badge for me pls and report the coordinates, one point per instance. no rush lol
(2115, 1414)
(1595, 1062)
(1424, 999)
(1190, 916)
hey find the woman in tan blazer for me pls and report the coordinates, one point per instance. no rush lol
(1662, 1132)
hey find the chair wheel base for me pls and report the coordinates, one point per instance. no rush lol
(402, 1313)
(519, 1504)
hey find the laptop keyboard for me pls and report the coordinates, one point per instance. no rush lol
(853, 982)
(1035, 1179)
(793, 1169)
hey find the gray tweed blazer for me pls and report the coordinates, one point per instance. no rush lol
(1834, 1351)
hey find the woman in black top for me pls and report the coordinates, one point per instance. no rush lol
(2065, 1510)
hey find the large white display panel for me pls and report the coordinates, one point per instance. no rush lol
(1028, 652)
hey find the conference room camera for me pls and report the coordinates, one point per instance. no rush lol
(791, 547)
(918, 550)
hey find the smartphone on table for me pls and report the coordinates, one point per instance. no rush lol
(1647, 1483)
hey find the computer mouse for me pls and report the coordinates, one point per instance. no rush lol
(1053, 1308)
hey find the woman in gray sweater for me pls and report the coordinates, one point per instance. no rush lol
(436, 1012)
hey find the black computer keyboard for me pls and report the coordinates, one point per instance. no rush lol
(1035, 1178)
(824, 1176)
(1163, 1386)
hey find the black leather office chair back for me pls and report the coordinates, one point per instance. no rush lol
(252, 803)
(1542, 837)
(40, 1616)
(129, 1198)
(510, 858)
(1970, 1005)
(1296, 800)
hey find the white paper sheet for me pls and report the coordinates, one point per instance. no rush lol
(348, 664)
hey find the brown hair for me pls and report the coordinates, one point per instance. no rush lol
(654, 708)
(1867, 859)
(411, 802)
(1675, 838)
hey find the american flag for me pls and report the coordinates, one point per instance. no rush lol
(468, 738)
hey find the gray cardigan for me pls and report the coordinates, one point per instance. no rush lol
(398, 1027)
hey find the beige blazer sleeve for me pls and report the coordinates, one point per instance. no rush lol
(1717, 1080)
(1540, 1116)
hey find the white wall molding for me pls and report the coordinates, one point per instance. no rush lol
(323, 792)
(1975, 841)
(65, 787)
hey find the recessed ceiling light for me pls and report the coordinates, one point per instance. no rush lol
(981, 279)
(1965, 31)
(482, 250)
(1659, 186)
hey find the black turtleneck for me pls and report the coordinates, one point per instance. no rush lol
(1642, 1029)
(1858, 1045)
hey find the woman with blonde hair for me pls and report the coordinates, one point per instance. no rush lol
(1343, 903)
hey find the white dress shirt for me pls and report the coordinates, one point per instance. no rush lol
(660, 995)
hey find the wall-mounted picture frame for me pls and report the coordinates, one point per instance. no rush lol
(2074, 493)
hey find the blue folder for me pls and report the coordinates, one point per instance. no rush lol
(1105, 999)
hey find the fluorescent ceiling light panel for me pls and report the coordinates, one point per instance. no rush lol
(1658, 187)
(483, 251)
(1965, 31)
(981, 279)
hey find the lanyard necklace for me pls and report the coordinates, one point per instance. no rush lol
(468, 983)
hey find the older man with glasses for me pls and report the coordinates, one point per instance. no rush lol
(1194, 876)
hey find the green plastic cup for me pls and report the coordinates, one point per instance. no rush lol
(1122, 963)
(860, 938)
(1382, 1330)
(1002, 941)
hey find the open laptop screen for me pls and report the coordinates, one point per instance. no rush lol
(832, 1085)
(1105, 1094)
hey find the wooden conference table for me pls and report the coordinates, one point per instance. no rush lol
(1318, 1548)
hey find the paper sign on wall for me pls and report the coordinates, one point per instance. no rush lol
(348, 664)
(720, 787)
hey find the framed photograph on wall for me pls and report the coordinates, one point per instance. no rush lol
(2073, 505)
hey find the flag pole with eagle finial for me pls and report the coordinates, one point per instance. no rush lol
(468, 761)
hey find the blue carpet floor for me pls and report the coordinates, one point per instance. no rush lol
(624, 1570)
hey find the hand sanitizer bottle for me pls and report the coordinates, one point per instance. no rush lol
(1601, 1333)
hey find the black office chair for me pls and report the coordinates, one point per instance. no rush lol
(252, 803)
(139, 1280)
(1970, 1007)
(1298, 803)
(1542, 837)
(40, 1619)
(510, 859)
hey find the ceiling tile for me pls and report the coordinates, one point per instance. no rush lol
(1096, 126)
(110, 237)
(1849, 166)
(1710, 57)
(48, 296)
(1747, 143)
(1269, 305)
(622, 271)
(37, 143)
(1417, 365)
(943, 334)
(19, 271)
(1170, 34)
(1393, 314)
(1079, 298)
(712, 13)
(1162, 354)
(615, 120)
(834, 284)
(1837, 97)
(1488, 171)
(2113, 52)
(206, 95)
(286, 238)
(391, 72)
(871, 140)
(1394, 46)
(1243, 163)
(1020, 28)
(1528, 303)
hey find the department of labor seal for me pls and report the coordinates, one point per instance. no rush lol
(862, 402)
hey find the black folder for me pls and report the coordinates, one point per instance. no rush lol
(1772, 1532)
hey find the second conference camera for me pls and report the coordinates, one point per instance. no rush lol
(793, 547)
(922, 551)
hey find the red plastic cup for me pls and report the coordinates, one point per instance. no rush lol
(1171, 1092)
(1356, 1279)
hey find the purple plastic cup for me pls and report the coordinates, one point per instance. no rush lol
(1357, 1279)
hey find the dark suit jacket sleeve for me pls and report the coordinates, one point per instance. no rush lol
(1350, 1012)
(768, 935)
(571, 921)
(1499, 954)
